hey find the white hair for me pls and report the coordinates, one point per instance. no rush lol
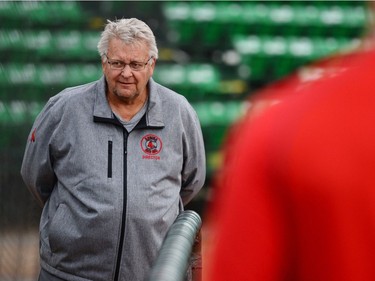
(130, 31)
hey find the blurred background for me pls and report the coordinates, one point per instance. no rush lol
(217, 54)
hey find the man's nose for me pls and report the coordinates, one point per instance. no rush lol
(127, 71)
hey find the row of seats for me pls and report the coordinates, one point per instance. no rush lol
(256, 52)
(29, 74)
(216, 118)
(260, 57)
(81, 45)
(210, 113)
(192, 80)
(203, 78)
(294, 47)
(210, 22)
(19, 13)
(42, 44)
(252, 12)
(219, 113)
(18, 111)
(192, 22)
(274, 57)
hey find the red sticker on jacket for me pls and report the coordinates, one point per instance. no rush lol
(32, 138)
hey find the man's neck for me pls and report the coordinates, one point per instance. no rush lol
(126, 110)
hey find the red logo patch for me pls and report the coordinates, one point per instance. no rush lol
(151, 145)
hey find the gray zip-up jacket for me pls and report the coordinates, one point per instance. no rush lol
(110, 195)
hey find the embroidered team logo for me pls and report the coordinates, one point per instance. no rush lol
(151, 145)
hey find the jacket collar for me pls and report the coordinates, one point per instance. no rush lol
(152, 118)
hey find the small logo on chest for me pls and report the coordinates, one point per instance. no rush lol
(151, 145)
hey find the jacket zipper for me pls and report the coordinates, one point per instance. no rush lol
(122, 233)
(109, 171)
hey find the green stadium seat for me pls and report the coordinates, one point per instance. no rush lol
(216, 118)
(255, 13)
(208, 23)
(6, 8)
(219, 113)
(203, 113)
(269, 56)
(356, 17)
(172, 75)
(20, 74)
(44, 13)
(5, 116)
(203, 78)
(247, 45)
(229, 20)
(281, 14)
(38, 42)
(68, 11)
(203, 21)
(176, 11)
(202, 12)
(48, 75)
(10, 40)
(83, 73)
(34, 108)
(9, 14)
(332, 15)
(250, 48)
(306, 15)
(301, 48)
(69, 44)
(3, 77)
(42, 44)
(90, 41)
(274, 46)
(37, 12)
(180, 28)
(18, 112)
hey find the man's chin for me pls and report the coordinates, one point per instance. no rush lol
(124, 95)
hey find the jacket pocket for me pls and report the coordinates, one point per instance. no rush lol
(109, 169)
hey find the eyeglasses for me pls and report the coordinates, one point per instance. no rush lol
(120, 65)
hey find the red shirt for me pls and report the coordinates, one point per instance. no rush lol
(295, 198)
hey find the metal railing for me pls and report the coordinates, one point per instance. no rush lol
(179, 250)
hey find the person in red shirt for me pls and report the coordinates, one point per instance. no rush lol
(295, 198)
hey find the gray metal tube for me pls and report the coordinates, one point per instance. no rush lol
(173, 259)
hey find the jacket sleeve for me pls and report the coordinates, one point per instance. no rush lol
(194, 169)
(37, 165)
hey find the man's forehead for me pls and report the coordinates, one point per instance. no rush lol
(136, 50)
